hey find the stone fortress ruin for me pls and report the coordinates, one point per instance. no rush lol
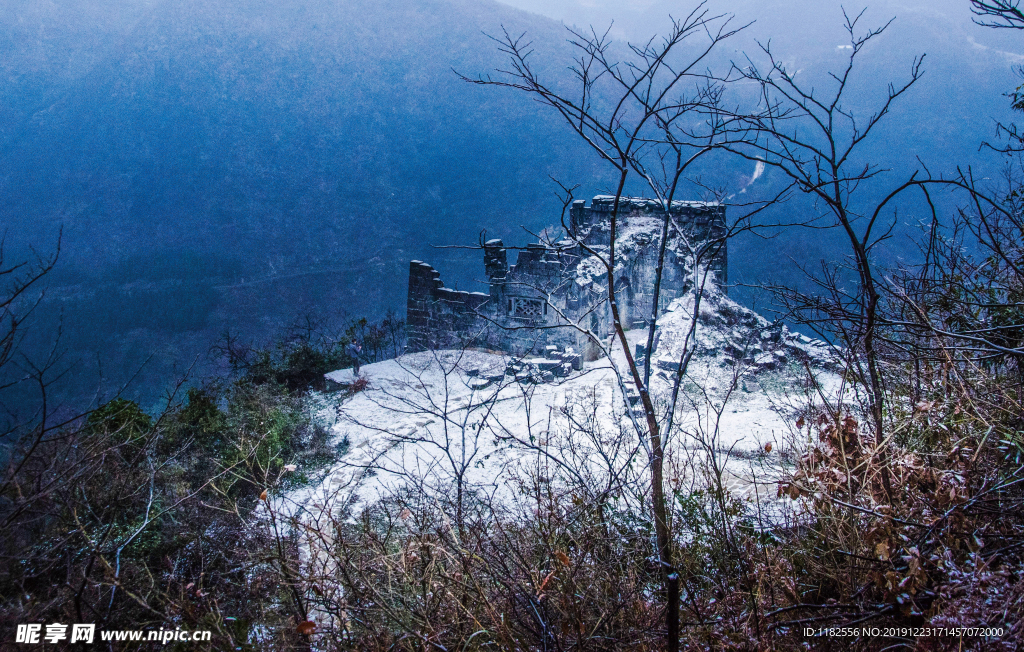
(555, 292)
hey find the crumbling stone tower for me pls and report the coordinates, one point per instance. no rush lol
(555, 292)
(702, 222)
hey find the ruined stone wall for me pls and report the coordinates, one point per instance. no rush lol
(702, 222)
(439, 317)
(551, 292)
(532, 299)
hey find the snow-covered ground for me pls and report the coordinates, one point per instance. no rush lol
(433, 417)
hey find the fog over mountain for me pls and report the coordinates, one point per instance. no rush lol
(223, 165)
(784, 20)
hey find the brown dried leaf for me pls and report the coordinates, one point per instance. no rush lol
(562, 557)
(545, 582)
(849, 426)
(306, 628)
(263, 496)
(768, 447)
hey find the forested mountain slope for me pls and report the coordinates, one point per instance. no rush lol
(214, 164)
(218, 166)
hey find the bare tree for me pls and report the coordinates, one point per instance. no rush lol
(998, 13)
(25, 381)
(640, 116)
(652, 113)
(813, 138)
(498, 553)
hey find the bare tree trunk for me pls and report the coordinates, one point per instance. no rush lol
(661, 529)
(652, 100)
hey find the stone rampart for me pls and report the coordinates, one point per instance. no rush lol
(440, 317)
(549, 297)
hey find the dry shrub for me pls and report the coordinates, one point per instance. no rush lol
(943, 551)
(566, 574)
